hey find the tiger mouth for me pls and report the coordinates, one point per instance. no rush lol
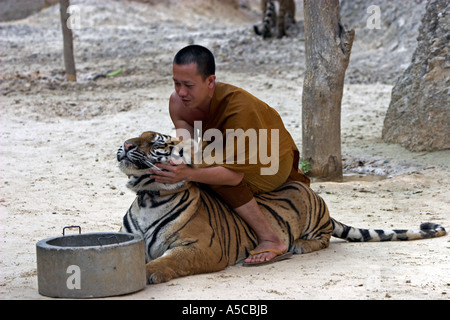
(135, 167)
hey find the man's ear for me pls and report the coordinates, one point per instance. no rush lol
(211, 81)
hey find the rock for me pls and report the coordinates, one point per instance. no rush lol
(418, 117)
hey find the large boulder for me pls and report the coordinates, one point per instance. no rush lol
(418, 117)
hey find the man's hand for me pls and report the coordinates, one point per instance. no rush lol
(176, 172)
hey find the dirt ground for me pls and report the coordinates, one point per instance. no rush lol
(59, 140)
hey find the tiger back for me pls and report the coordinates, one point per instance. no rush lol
(191, 230)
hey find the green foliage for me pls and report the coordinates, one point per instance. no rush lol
(304, 166)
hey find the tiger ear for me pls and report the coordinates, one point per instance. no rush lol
(185, 150)
(177, 140)
(181, 134)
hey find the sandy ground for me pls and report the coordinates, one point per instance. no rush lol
(58, 145)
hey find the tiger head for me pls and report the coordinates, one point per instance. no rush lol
(137, 155)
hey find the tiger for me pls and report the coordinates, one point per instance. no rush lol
(270, 18)
(189, 230)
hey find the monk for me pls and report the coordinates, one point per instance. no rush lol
(199, 98)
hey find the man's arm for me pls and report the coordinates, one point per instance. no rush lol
(214, 175)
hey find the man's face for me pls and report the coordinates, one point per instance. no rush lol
(190, 87)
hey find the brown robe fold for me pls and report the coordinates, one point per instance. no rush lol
(234, 108)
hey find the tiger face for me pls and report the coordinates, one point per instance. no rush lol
(137, 155)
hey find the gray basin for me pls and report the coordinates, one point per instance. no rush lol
(91, 265)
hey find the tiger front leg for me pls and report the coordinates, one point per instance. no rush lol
(179, 262)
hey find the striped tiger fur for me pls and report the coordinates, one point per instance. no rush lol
(270, 19)
(188, 230)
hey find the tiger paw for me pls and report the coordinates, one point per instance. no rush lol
(155, 276)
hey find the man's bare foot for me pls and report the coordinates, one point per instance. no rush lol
(267, 238)
(268, 255)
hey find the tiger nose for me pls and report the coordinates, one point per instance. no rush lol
(128, 146)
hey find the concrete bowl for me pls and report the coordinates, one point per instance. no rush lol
(91, 265)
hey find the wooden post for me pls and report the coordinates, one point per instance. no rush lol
(69, 61)
(327, 47)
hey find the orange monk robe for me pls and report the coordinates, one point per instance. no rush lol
(237, 110)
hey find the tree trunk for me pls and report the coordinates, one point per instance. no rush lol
(327, 47)
(69, 61)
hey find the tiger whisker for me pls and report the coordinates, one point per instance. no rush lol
(152, 166)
